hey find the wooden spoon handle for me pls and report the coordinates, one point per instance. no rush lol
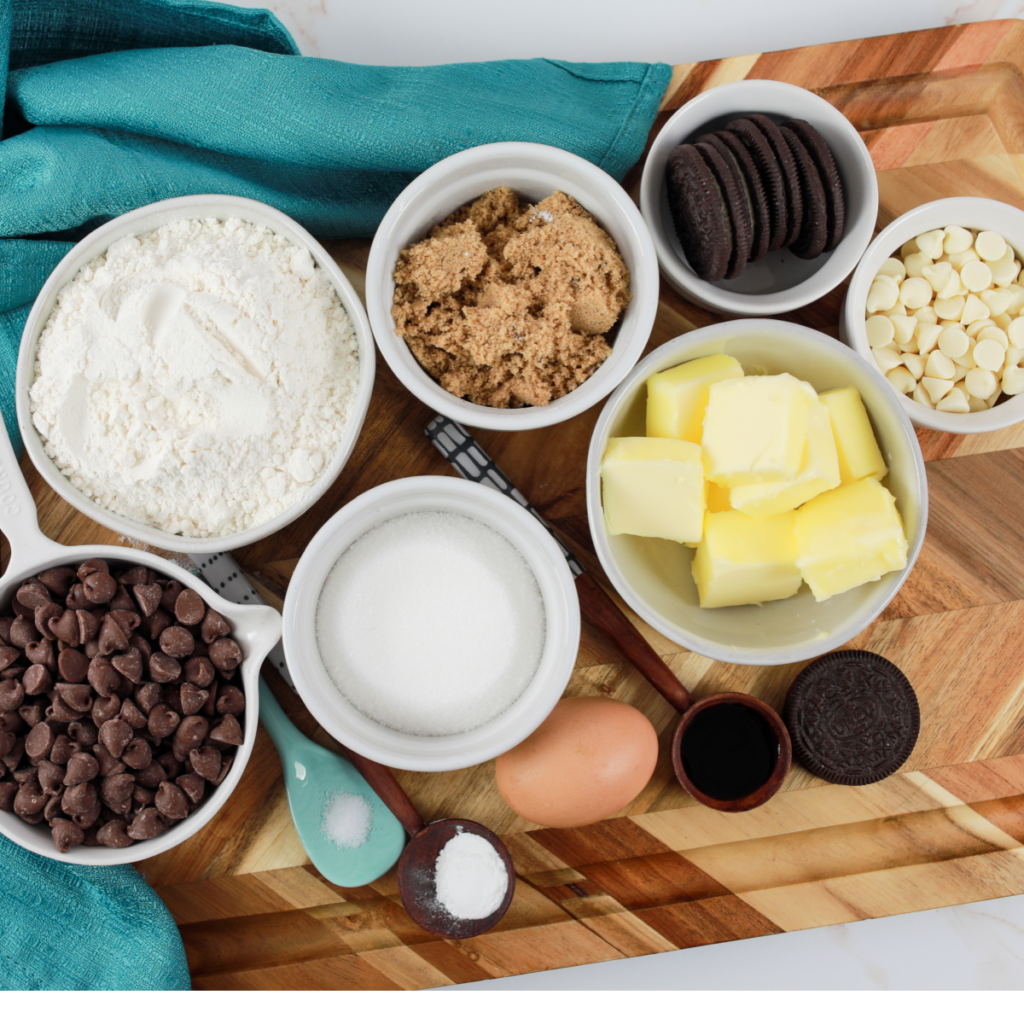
(386, 786)
(604, 613)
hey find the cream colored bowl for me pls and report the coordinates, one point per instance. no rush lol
(653, 576)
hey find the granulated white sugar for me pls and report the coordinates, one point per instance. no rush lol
(431, 623)
(470, 878)
(347, 820)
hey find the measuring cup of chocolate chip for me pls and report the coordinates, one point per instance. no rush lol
(128, 693)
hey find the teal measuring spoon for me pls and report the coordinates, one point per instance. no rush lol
(312, 777)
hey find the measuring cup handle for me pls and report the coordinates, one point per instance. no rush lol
(604, 613)
(19, 521)
(386, 786)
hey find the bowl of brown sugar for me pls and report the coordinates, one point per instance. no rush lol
(512, 286)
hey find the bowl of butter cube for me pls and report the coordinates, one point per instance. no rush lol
(936, 305)
(756, 492)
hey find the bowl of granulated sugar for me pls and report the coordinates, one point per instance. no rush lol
(431, 624)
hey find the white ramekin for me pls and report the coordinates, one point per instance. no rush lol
(965, 211)
(653, 576)
(534, 171)
(779, 281)
(432, 753)
(141, 221)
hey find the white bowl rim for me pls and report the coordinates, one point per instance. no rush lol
(889, 240)
(122, 226)
(562, 614)
(643, 285)
(685, 638)
(831, 273)
(247, 622)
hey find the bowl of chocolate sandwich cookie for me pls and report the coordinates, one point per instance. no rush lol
(760, 197)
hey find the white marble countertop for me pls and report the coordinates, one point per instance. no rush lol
(979, 946)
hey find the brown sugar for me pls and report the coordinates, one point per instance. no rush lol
(507, 304)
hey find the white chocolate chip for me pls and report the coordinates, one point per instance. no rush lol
(927, 337)
(959, 259)
(922, 396)
(973, 330)
(915, 292)
(1017, 302)
(955, 401)
(1014, 356)
(997, 299)
(990, 245)
(974, 309)
(955, 239)
(926, 315)
(916, 263)
(930, 243)
(966, 361)
(887, 357)
(953, 342)
(936, 387)
(938, 365)
(976, 404)
(1015, 332)
(1002, 320)
(880, 331)
(989, 355)
(904, 327)
(949, 309)
(980, 383)
(898, 310)
(907, 248)
(1003, 270)
(893, 268)
(937, 274)
(953, 286)
(882, 294)
(996, 334)
(902, 379)
(1013, 380)
(961, 372)
(914, 363)
(976, 276)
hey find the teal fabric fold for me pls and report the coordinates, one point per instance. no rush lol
(83, 928)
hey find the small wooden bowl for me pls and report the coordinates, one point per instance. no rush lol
(783, 761)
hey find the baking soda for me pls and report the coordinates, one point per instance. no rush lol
(470, 877)
(431, 624)
(347, 820)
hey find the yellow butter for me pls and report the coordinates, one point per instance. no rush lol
(677, 398)
(717, 498)
(743, 561)
(755, 429)
(859, 454)
(848, 536)
(819, 472)
(653, 487)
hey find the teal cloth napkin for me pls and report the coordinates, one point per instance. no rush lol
(112, 104)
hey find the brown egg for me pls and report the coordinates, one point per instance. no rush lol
(588, 759)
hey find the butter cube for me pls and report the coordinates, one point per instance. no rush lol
(653, 487)
(744, 561)
(677, 398)
(755, 429)
(717, 498)
(848, 536)
(859, 454)
(819, 472)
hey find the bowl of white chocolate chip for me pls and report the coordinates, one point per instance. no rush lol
(936, 305)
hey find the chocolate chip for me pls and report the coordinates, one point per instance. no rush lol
(147, 697)
(77, 599)
(12, 693)
(105, 708)
(32, 594)
(40, 652)
(231, 701)
(23, 775)
(121, 601)
(83, 732)
(36, 680)
(225, 767)
(163, 669)
(163, 721)
(225, 654)
(30, 799)
(51, 777)
(39, 742)
(80, 799)
(157, 622)
(193, 786)
(135, 575)
(63, 750)
(20, 610)
(171, 591)
(31, 714)
(147, 824)
(8, 791)
(12, 672)
(206, 762)
(109, 765)
(60, 711)
(112, 637)
(132, 715)
(116, 793)
(228, 731)
(189, 608)
(99, 587)
(88, 628)
(199, 671)
(192, 731)
(53, 809)
(8, 656)
(171, 802)
(172, 698)
(23, 632)
(114, 735)
(170, 764)
(128, 621)
(129, 664)
(64, 626)
(12, 759)
(152, 776)
(141, 797)
(176, 641)
(148, 597)
(76, 695)
(66, 834)
(81, 768)
(214, 626)
(137, 754)
(115, 835)
(6, 743)
(141, 644)
(57, 580)
(6, 621)
(192, 699)
(45, 615)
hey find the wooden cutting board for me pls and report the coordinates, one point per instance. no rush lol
(942, 112)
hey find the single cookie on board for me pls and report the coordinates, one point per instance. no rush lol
(771, 176)
(699, 213)
(790, 176)
(853, 717)
(820, 153)
(810, 243)
(751, 178)
(736, 203)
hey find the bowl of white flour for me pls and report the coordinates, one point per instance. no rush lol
(194, 374)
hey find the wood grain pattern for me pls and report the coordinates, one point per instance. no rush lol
(943, 114)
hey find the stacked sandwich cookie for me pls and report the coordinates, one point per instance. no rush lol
(756, 186)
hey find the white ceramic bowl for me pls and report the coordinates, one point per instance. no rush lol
(432, 753)
(653, 576)
(534, 172)
(256, 629)
(149, 218)
(965, 211)
(779, 281)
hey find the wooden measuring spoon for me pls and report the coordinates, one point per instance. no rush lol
(473, 463)
(416, 867)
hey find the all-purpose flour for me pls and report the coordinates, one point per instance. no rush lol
(196, 379)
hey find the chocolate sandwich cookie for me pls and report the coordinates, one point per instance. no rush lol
(820, 153)
(736, 202)
(810, 243)
(699, 213)
(853, 717)
(790, 176)
(767, 164)
(751, 178)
